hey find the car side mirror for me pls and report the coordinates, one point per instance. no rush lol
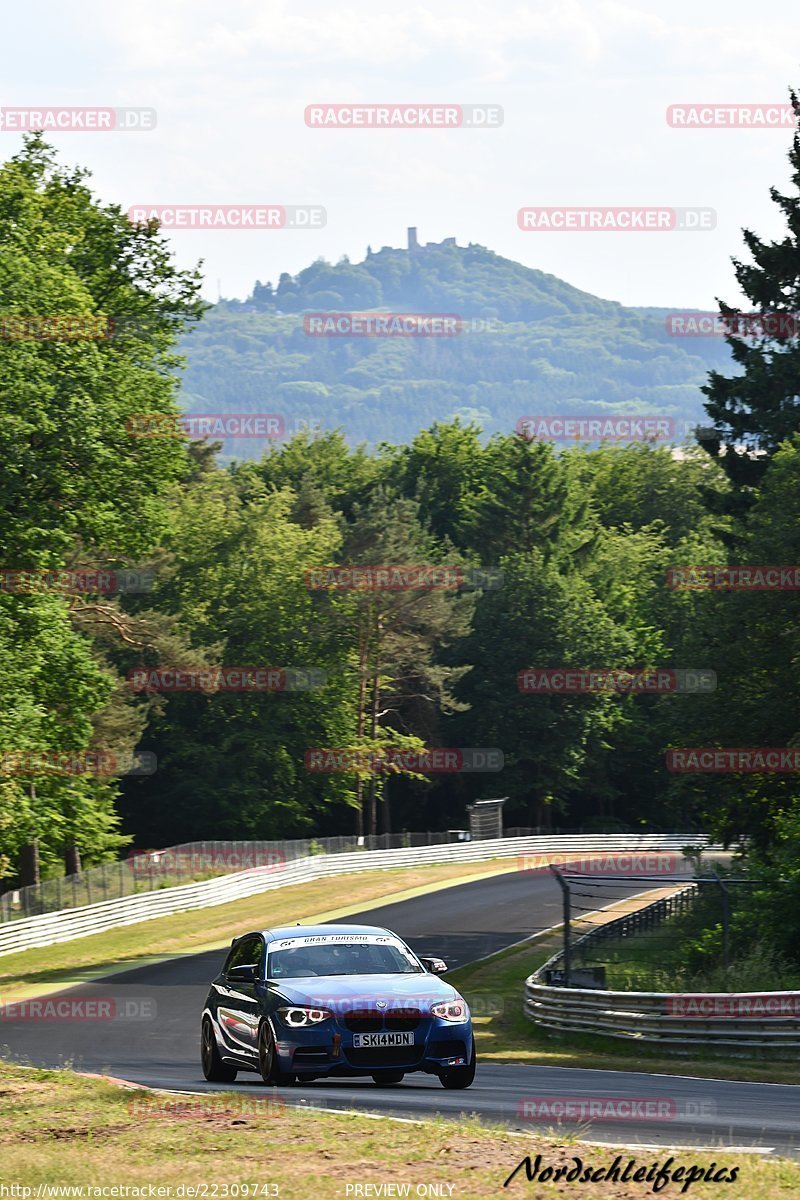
(245, 974)
(436, 966)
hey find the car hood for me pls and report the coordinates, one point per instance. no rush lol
(351, 992)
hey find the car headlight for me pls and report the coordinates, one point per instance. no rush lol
(296, 1018)
(451, 1010)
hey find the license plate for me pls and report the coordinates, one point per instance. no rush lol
(362, 1040)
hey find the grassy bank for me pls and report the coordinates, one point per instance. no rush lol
(65, 1129)
(684, 954)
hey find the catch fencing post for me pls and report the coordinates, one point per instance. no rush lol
(567, 947)
(726, 920)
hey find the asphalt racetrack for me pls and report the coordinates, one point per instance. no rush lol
(460, 924)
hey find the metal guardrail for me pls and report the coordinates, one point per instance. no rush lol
(682, 1019)
(49, 928)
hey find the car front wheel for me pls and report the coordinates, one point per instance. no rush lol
(453, 1078)
(268, 1059)
(214, 1069)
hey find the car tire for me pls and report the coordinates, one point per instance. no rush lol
(454, 1078)
(214, 1069)
(268, 1059)
(388, 1078)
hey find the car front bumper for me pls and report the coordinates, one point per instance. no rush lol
(328, 1049)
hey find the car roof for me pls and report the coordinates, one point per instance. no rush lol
(287, 931)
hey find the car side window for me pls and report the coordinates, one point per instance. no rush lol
(247, 953)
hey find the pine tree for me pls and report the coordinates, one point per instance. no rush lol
(753, 412)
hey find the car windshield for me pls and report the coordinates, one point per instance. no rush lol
(301, 959)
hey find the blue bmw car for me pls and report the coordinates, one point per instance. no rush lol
(304, 1001)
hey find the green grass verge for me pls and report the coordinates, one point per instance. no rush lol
(69, 1130)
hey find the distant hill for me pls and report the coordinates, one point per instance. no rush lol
(540, 347)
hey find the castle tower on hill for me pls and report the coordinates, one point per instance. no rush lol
(414, 244)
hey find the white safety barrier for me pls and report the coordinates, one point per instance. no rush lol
(50, 928)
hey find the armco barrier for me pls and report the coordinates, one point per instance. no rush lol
(680, 1019)
(63, 926)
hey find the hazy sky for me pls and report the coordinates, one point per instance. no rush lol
(584, 88)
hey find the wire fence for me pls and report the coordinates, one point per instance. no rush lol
(150, 870)
(692, 939)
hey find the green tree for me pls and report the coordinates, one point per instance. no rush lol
(399, 637)
(528, 502)
(232, 764)
(76, 487)
(754, 410)
(443, 471)
(539, 619)
(639, 484)
(753, 641)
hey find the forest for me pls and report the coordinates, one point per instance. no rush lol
(290, 640)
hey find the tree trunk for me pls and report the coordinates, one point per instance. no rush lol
(373, 729)
(72, 860)
(29, 864)
(360, 722)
